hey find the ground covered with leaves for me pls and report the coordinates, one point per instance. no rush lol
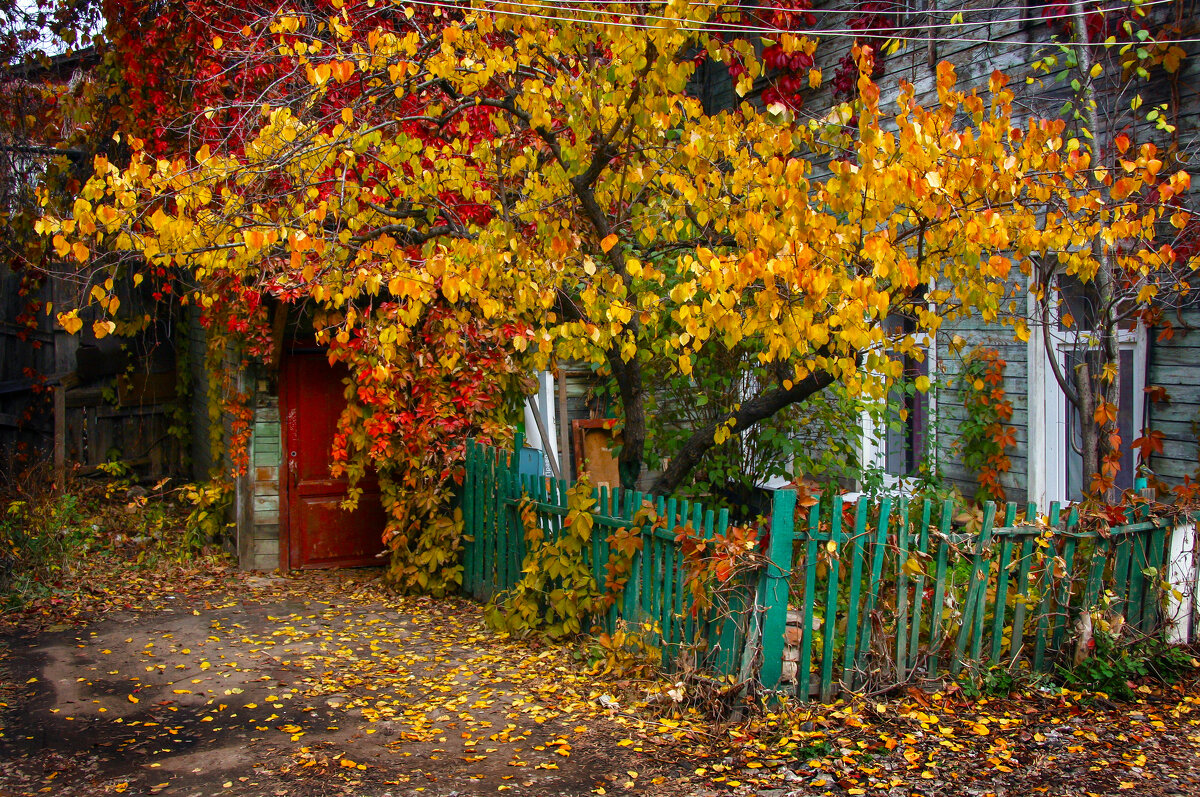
(326, 684)
(130, 671)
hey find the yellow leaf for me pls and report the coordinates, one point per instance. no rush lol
(609, 242)
(103, 329)
(133, 699)
(218, 42)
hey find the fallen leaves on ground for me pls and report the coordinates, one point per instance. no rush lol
(1055, 742)
(323, 683)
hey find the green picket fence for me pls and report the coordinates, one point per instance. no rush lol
(888, 590)
(869, 593)
(655, 596)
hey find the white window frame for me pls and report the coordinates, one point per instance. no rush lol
(1049, 408)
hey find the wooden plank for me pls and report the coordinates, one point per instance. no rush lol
(808, 608)
(999, 611)
(878, 548)
(1137, 580)
(1155, 562)
(774, 586)
(902, 616)
(1065, 588)
(829, 626)
(1124, 546)
(1043, 620)
(852, 607)
(936, 631)
(1022, 598)
(972, 606)
(919, 586)
(467, 502)
(731, 627)
(501, 530)
(60, 438)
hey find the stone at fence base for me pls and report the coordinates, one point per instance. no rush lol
(790, 671)
(792, 636)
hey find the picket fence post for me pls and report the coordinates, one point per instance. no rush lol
(773, 587)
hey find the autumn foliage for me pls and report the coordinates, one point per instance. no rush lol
(414, 403)
(546, 187)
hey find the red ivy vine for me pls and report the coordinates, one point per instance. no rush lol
(984, 436)
(412, 407)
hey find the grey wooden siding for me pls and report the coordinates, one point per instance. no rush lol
(1175, 365)
(951, 411)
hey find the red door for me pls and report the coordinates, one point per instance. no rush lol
(320, 533)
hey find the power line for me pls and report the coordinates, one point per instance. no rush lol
(734, 28)
(875, 12)
(738, 8)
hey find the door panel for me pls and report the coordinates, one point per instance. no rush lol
(320, 533)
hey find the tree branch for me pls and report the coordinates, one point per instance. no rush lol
(759, 408)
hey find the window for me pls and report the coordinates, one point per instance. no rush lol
(1064, 476)
(896, 437)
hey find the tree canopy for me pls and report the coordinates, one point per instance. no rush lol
(549, 175)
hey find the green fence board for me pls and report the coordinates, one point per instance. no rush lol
(829, 626)
(857, 538)
(936, 630)
(914, 634)
(902, 614)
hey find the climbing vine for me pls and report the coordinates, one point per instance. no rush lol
(415, 396)
(557, 593)
(985, 436)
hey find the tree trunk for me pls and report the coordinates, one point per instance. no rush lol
(1097, 436)
(632, 391)
(1088, 428)
(759, 408)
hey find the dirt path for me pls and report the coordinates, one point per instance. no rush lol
(295, 687)
(323, 684)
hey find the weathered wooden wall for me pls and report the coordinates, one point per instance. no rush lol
(120, 396)
(26, 424)
(259, 533)
(1175, 366)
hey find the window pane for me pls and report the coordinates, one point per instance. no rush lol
(1126, 426)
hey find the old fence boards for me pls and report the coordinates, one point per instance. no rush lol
(852, 595)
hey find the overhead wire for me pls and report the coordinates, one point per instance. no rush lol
(736, 28)
(1117, 5)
